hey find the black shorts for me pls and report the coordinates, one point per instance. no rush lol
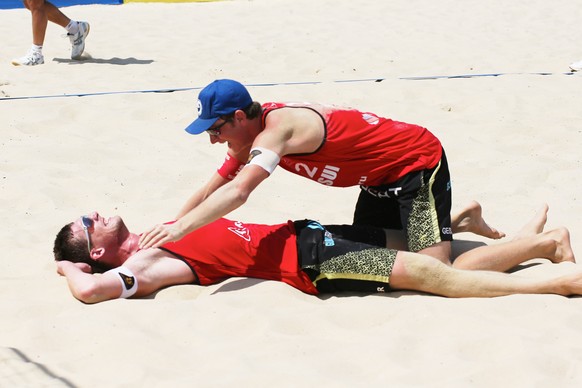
(418, 203)
(344, 257)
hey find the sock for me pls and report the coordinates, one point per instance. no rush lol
(37, 49)
(73, 27)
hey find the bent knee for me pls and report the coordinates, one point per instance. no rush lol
(440, 251)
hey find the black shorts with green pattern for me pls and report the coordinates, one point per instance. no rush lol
(344, 257)
(418, 203)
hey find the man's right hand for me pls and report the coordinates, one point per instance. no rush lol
(83, 267)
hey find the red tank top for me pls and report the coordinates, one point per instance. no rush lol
(225, 249)
(361, 148)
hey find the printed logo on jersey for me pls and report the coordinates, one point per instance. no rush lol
(128, 281)
(326, 177)
(370, 118)
(240, 230)
(270, 105)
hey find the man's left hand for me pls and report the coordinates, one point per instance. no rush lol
(159, 235)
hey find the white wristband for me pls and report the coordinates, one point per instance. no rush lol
(264, 158)
(127, 279)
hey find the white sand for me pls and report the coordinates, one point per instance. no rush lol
(513, 142)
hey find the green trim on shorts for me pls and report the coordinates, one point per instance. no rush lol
(423, 220)
(371, 265)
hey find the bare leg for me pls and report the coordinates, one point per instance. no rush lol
(470, 219)
(42, 12)
(535, 225)
(395, 239)
(417, 272)
(441, 251)
(553, 245)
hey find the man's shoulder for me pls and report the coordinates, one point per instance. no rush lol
(156, 268)
(147, 257)
(156, 263)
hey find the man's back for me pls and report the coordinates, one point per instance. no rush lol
(355, 148)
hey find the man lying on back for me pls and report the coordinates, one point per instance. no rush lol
(101, 260)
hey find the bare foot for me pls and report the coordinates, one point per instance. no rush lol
(563, 251)
(570, 284)
(470, 219)
(535, 225)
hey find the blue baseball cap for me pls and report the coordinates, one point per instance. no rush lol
(221, 97)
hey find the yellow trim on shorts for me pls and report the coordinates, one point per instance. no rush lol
(352, 276)
(434, 215)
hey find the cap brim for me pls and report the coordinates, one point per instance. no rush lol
(200, 125)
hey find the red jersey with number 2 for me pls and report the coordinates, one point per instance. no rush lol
(361, 148)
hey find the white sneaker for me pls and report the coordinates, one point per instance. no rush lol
(32, 58)
(78, 40)
(576, 66)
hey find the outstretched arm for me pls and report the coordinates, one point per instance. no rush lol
(215, 182)
(224, 200)
(268, 147)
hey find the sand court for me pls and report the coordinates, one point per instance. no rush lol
(107, 133)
